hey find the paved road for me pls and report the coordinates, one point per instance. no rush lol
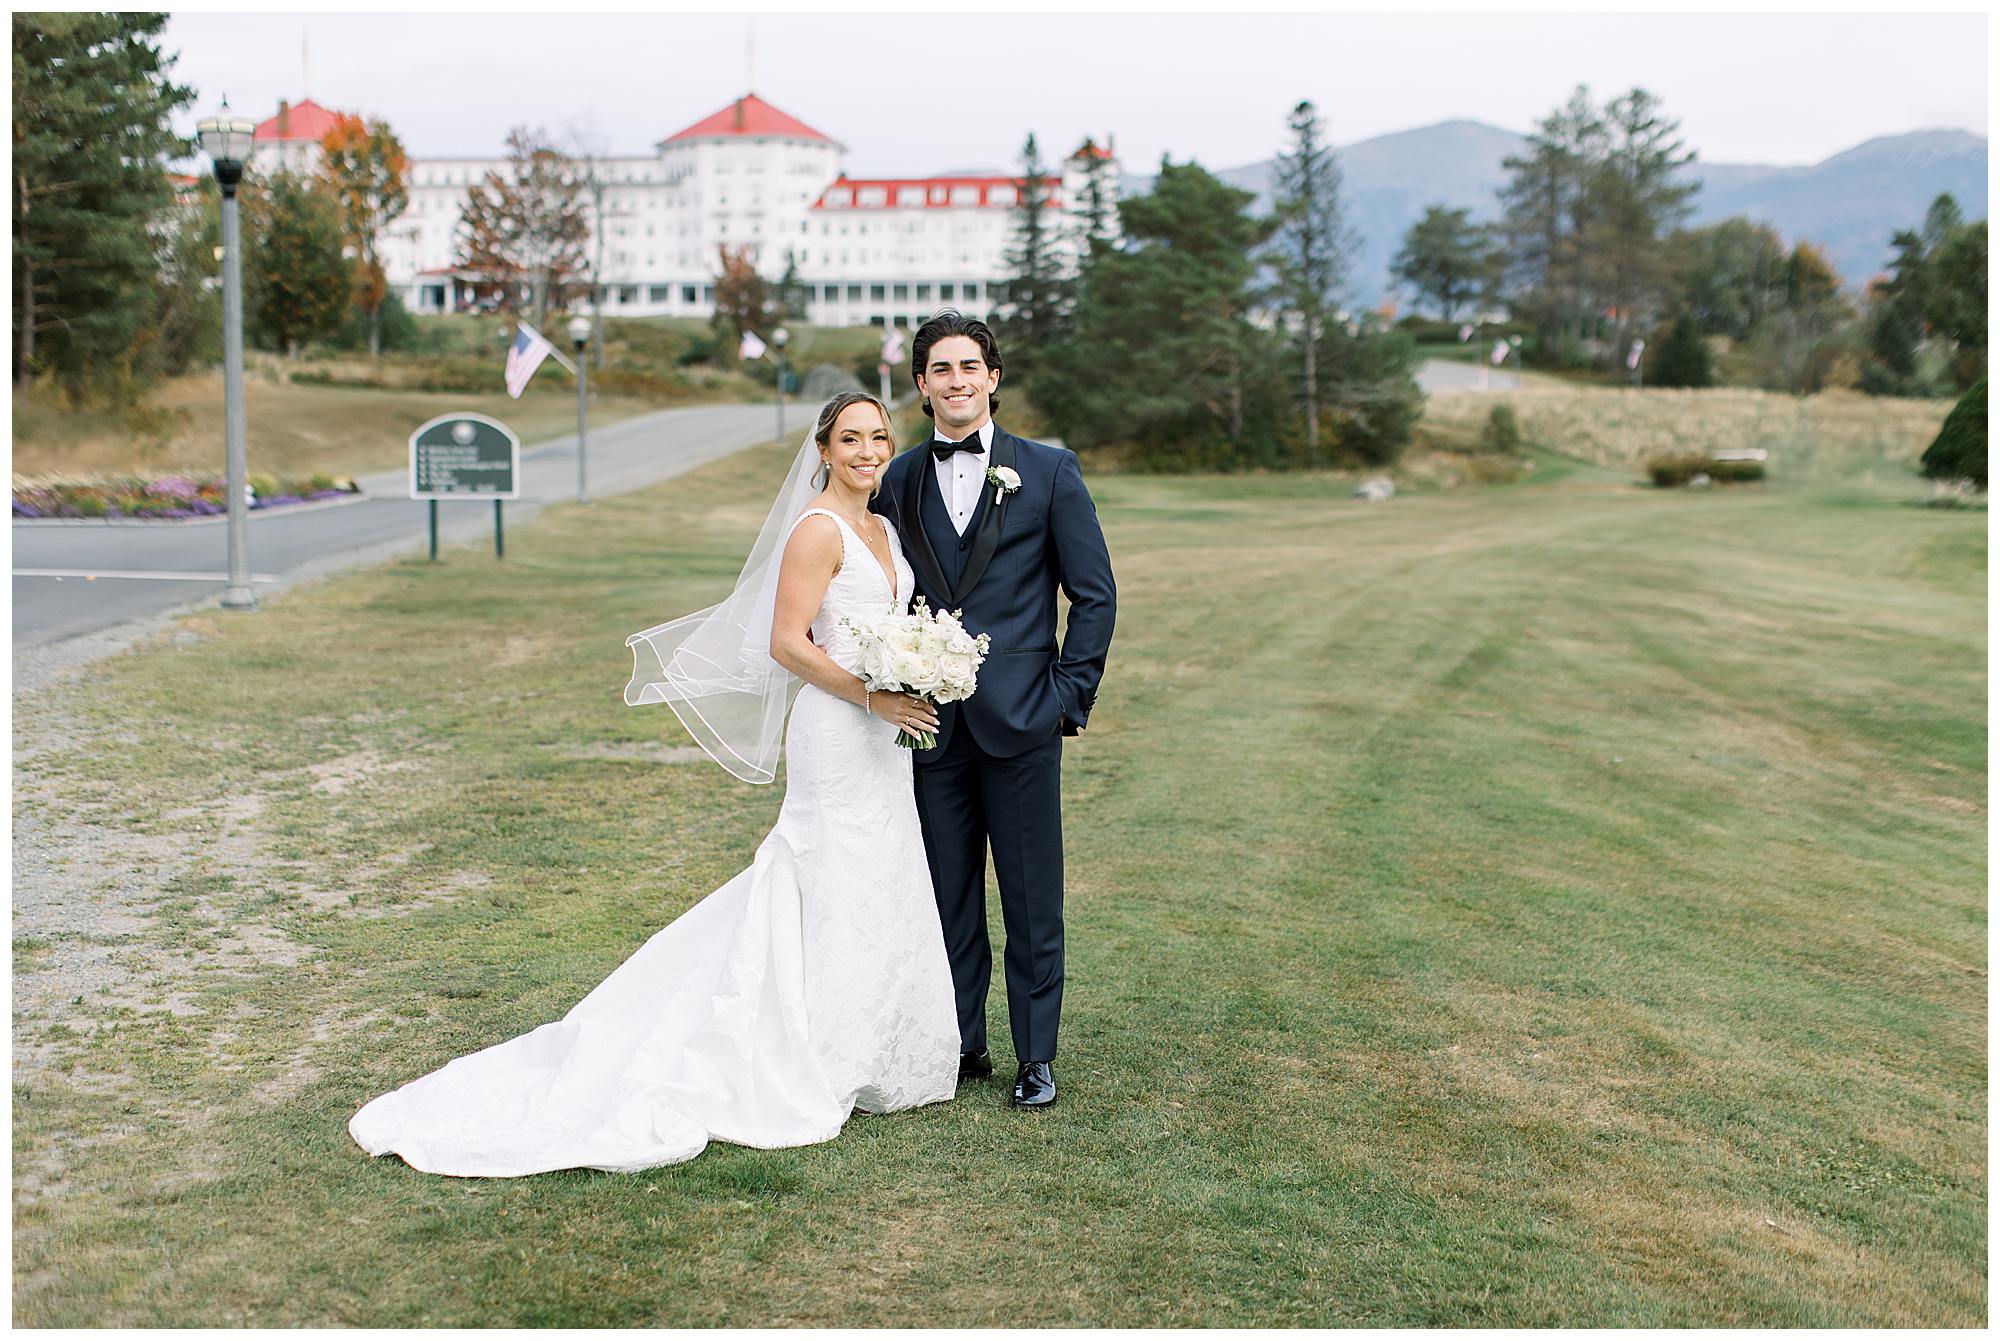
(1443, 375)
(146, 570)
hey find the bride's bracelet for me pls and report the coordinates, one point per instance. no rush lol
(867, 699)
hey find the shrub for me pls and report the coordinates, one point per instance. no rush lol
(1959, 450)
(1672, 471)
(1502, 433)
(1734, 472)
(1683, 357)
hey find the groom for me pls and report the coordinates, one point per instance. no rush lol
(997, 546)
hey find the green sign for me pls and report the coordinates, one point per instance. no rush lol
(465, 455)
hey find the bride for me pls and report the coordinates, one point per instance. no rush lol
(813, 983)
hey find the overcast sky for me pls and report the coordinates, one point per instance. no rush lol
(911, 94)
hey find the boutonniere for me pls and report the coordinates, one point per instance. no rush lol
(1004, 481)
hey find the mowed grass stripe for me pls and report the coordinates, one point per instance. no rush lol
(1557, 904)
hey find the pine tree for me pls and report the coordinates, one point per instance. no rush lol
(364, 165)
(1638, 197)
(1682, 358)
(1729, 276)
(1309, 254)
(1169, 326)
(1445, 258)
(1959, 450)
(1548, 206)
(91, 147)
(297, 284)
(1033, 319)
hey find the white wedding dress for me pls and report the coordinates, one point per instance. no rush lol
(812, 984)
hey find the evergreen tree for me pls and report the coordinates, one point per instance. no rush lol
(92, 141)
(1682, 358)
(1959, 450)
(364, 165)
(1309, 251)
(1958, 297)
(1036, 285)
(1446, 259)
(1640, 197)
(297, 284)
(1548, 205)
(1169, 327)
(1097, 206)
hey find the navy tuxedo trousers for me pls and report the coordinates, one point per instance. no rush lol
(967, 798)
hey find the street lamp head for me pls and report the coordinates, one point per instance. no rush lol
(227, 140)
(780, 336)
(579, 330)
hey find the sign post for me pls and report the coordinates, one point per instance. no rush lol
(465, 455)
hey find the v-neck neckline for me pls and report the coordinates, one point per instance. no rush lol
(889, 574)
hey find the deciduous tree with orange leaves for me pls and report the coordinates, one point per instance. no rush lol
(364, 164)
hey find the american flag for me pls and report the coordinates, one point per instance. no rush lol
(526, 355)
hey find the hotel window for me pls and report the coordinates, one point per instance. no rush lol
(945, 292)
(874, 195)
(1000, 195)
(854, 293)
(659, 293)
(902, 293)
(708, 293)
(971, 293)
(923, 293)
(910, 197)
(876, 293)
(833, 293)
(965, 195)
(628, 294)
(687, 293)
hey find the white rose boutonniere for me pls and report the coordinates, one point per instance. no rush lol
(1004, 480)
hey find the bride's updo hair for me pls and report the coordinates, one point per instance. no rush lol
(829, 415)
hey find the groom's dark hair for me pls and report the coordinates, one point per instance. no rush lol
(947, 323)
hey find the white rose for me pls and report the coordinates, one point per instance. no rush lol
(924, 671)
(956, 669)
(961, 644)
(1010, 480)
(903, 638)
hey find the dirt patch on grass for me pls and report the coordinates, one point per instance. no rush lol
(335, 776)
(648, 751)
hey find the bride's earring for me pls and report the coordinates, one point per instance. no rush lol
(825, 473)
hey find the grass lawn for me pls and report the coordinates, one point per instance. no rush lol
(290, 429)
(1555, 904)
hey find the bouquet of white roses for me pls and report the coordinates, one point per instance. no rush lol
(925, 653)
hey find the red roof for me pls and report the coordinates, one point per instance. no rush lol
(302, 121)
(749, 115)
(845, 191)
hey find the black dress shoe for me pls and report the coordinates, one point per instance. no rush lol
(1034, 1086)
(975, 1065)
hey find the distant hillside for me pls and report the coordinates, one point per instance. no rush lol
(1849, 204)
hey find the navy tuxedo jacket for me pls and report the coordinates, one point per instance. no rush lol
(1003, 573)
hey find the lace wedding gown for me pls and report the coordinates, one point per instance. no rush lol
(812, 984)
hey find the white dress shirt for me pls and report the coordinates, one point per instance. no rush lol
(962, 477)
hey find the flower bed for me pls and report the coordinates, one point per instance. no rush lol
(167, 497)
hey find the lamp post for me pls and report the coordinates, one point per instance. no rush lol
(778, 339)
(579, 334)
(226, 139)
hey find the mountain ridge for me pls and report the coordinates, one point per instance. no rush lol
(1849, 203)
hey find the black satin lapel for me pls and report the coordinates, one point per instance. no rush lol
(918, 544)
(988, 538)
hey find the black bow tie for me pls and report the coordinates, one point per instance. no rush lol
(943, 450)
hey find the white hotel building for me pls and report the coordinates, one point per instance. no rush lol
(869, 251)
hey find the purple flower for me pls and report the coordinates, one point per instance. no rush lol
(174, 486)
(24, 509)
